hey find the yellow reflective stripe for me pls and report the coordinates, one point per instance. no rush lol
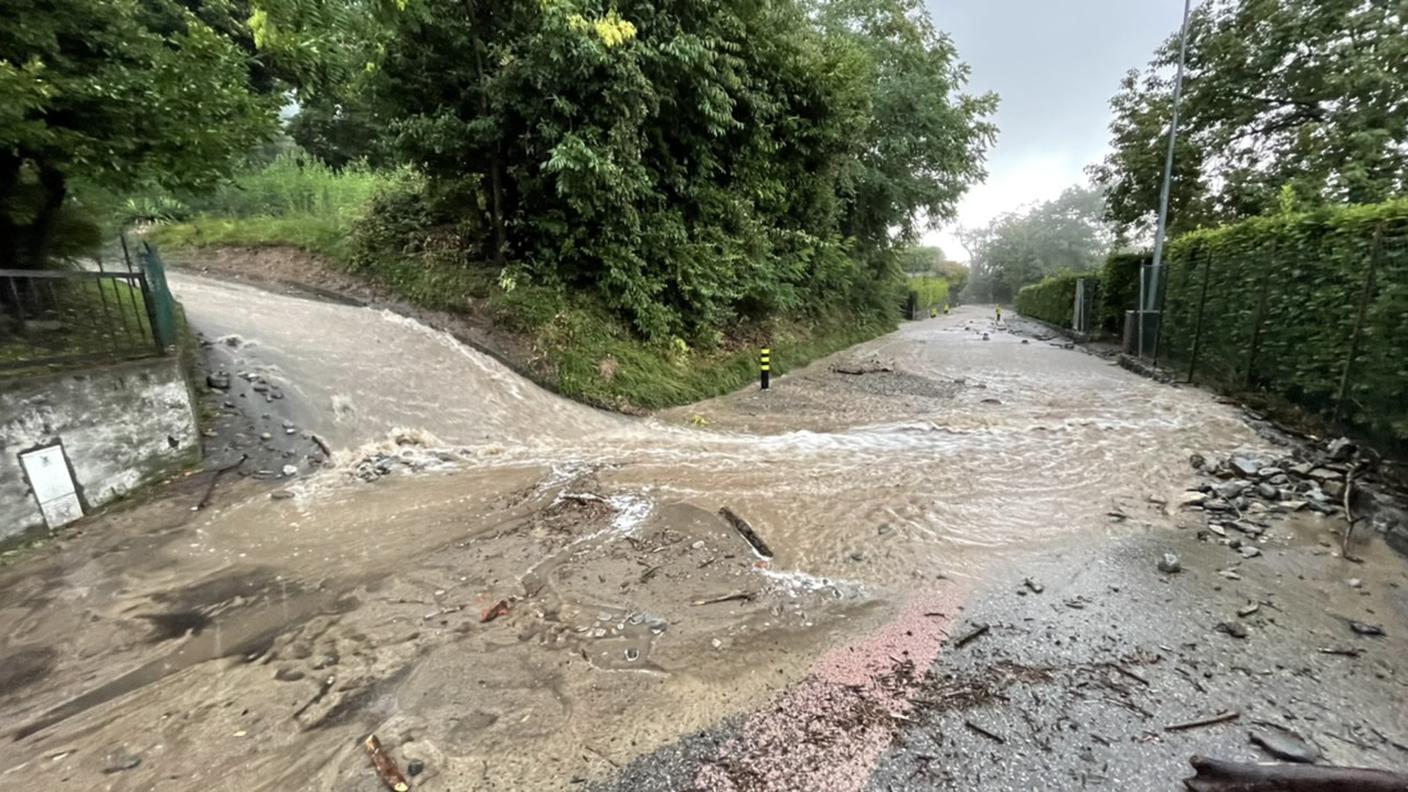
(766, 367)
(767, 351)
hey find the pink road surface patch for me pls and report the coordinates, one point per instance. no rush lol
(826, 733)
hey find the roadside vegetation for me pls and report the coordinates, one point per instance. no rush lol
(647, 193)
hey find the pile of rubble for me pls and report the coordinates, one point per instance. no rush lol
(1249, 489)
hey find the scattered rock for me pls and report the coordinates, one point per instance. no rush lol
(1192, 499)
(1341, 450)
(1363, 628)
(260, 387)
(857, 556)
(1247, 610)
(1217, 504)
(280, 494)
(1284, 744)
(1333, 489)
(1249, 551)
(1354, 582)
(1234, 629)
(1323, 475)
(1197, 462)
(265, 436)
(1247, 527)
(219, 381)
(117, 761)
(1270, 472)
(1217, 529)
(1267, 491)
(1033, 586)
(289, 470)
(1230, 489)
(1170, 564)
(1244, 467)
(415, 767)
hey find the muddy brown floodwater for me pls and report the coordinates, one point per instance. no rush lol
(249, 645)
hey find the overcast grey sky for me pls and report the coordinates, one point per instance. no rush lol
(1055, 64)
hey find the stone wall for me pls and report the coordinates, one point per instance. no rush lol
(121, 426)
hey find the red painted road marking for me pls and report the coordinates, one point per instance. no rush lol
(826, 733)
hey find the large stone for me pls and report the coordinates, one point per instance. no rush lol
(218, 381)
(1244, 466)
(1192, 499)
(1270, 472)
(1284, 744)
(1230, 489)
(1341, 450)
(1170, 564)
(1334, 489)
(1267, 491)
(1325, 474)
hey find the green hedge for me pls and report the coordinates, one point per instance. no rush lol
(1303, 275)
(1053, 299)
(1119, 288)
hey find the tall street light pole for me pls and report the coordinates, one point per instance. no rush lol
(1149, 284)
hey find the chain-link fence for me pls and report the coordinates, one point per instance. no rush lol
(1319, 320)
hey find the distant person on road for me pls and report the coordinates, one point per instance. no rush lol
(945, 309)
(999, 314)
(933, 312)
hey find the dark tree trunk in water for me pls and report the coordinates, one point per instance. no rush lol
(54, 189)
(9, 232)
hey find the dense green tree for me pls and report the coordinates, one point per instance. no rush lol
(1307, 93)
(115, 93)
(1068, 233)
(693, 162)
(921, 259)
(923, 142)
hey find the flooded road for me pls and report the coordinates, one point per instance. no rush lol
(519, 592)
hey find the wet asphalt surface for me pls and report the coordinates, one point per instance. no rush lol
(1074, 687)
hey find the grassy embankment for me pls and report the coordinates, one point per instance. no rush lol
(579, 348)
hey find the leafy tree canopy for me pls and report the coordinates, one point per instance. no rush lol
(1068, 233)
(1310, 95)
(694, 162)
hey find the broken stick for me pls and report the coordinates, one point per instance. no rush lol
(969, 636)
(1213, 775)
(210, 488)
(1193, 724)
(385, 766)
(980, 730)
(746, 531)
(742, 596)
(1348, 515)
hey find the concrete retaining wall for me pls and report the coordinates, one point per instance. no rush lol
(121, 426)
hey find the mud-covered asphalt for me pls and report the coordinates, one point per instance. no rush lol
(646, 645)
